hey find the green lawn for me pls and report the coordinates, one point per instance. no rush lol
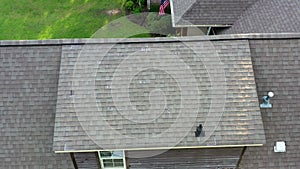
(56, 19)
(122, 28)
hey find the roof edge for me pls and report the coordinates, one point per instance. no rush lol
(163, 148)
(149, 40)
(172, 13)
(208, 25)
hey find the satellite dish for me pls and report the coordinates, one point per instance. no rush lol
(271, 94)
(266, 100)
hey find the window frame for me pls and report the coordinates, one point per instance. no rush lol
(101, 158)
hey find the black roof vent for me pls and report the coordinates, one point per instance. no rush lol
(199, 131)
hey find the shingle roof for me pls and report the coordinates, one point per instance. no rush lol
(208, 12)
(29, 76)
(268, 16)
(277, 67)
(178, 8)
(152, 95)
(28, 88)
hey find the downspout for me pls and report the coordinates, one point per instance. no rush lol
(148, 4)
(208, 30)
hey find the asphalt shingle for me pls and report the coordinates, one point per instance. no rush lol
(272, 16)
(277, 68)
(29, 77)
(208, 12)
(151, 95)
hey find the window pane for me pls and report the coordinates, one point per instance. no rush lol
(112, 159)
(118, 163)
(105, 154)
(107, 163)
(117, 154)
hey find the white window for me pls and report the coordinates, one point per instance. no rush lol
(112, 159)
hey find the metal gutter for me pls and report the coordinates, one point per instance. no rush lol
(251, 36)
(163, 148)
(209, 25)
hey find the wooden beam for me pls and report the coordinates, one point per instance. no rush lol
(73, 160)
(242, 154)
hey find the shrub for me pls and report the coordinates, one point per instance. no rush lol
(129, 5)
(141, 3)
(136, 6)
(137, 10)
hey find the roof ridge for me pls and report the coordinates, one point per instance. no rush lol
(246, 10)
(292, 35)
(186, 5)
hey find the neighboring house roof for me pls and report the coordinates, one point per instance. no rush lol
(153, 94)
(268, 16)
(208, 12)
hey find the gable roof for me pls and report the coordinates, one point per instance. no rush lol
(207, 12)
(153, 93)
(271, 16)
(29, 75)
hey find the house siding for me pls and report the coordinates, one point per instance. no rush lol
(170, 159)
(87, 160)
(186, 159)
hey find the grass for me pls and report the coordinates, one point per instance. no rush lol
(122, 28)
(56, 19)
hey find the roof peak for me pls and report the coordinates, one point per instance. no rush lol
(148, 40)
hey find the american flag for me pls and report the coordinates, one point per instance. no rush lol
(163, 5)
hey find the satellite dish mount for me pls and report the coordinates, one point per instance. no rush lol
(266, 100)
